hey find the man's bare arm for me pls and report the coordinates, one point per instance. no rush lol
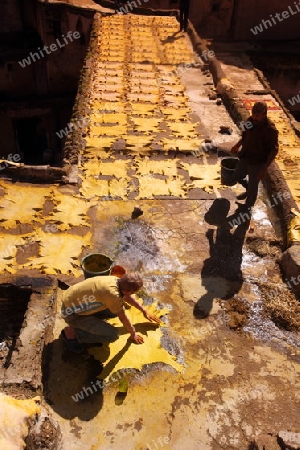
(133, 302)
(130, 328)
(236, 147)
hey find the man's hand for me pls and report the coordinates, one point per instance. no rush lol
(137, 305)
(151, 317)
(137, 338)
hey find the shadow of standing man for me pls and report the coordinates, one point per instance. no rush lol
(221, 274)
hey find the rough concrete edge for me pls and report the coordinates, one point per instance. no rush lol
(38, 328)
(275, 181)
(74, 140)
(38, 174)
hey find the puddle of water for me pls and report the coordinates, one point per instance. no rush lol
(156, 283)
(264, 329)
(261, 216)
(146, 249)
(250, 259)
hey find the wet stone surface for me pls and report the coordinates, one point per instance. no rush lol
(240, 368)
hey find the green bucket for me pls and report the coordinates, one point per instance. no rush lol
(96, 265)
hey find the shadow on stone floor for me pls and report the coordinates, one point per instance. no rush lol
(69, 382)
(221, 274)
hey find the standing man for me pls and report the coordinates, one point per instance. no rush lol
(184, 7)
(88, 304)
(259, 148)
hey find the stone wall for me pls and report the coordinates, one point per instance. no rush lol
(231, 18)
(283, 73)
(249, 14)
(45, 86)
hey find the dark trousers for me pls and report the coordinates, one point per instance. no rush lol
(92, 329)
(183, 16)
(243, 169)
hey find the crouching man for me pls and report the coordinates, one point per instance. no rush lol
(87, 304)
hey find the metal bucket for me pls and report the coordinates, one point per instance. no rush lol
(228, 166)
(96, 265)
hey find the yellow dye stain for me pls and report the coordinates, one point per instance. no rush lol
(288, 158)
(176, 100)
(161, 187)
(183, 145)
(118, 169)
(59, 253)
(108, 96)
(144, 77)
(92, 187)
(150, 87)
(145, 89)
(91, 167)
(138, 142)
(141, 97)
(114, 130)
(174, 89)
(176, 114)
(142, 108)
(140, 81)
(204, 176)
(93, 152)
(292, 179)
(103, 78)
(118, 118)
(118, 188)
(183, 129)
(8, 250)
(14, 416)
(22, 203)
(96, 143)
(146, 125)
(147, 167)
(293, 234)
(143, 67)
(124, 353)
(99, 107)
(70, 212)
(105, 87)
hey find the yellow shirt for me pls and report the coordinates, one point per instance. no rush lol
(93, 295)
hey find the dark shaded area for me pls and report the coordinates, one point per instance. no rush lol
(172, 38)
(39, 84)
(71, 374)
(13, 305)
(221, 274)
(32, 139)
(28, 39)
(73, 383)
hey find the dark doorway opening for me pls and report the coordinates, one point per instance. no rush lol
(32, 139)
